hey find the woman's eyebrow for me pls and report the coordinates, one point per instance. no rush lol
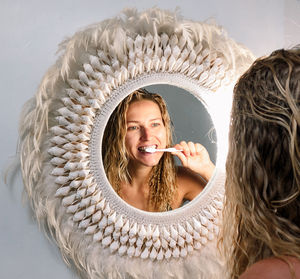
(136, 121)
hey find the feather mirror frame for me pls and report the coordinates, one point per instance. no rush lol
(61, 134)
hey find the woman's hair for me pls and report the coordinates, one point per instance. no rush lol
(262, 207)
(162, 181)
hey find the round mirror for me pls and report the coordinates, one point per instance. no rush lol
(151, 180)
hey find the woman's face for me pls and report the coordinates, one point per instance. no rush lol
(145, 128)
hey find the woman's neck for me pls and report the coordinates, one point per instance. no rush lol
(139, 175)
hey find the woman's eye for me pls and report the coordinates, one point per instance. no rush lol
(132, 128)
(155, 124)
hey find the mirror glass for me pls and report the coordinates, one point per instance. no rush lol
(190, 122)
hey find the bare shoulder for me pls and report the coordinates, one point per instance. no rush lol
(189, 183)
(273, 268)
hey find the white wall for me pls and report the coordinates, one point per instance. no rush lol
(30, 32)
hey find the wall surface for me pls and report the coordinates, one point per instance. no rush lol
(30, 32)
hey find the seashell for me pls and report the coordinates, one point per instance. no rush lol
(181, 230)
(62, 180)
(185, 66)
(75, 184)
(58, 171)
(86, 120)
(122, 250)
(124, 239)
(91, 189)
(172, 243)
(119, 223)
(68, 155)
(84, 223)
(189, 228)
(133, 230)
(98, 236)
(72, 208)
(62, 121)
(71, 137)
(81, 193)
(132, 240)
(213, 211)
(68, 200)
(160, 255)
(90, 210)
(164, 243)
(188, 238)
(210, 226)
(56, 151)
(71, 166)
(163, 64)
(139, 242)
(95, 62)
(196, 235)
(181, 241)
(145, 253)
(112, 218)
(101, 204)
(153, 254)
(114, 246)
(183, 252)
(203, 240)
(94, 103)
(168, 254)
(204, 231)
(106, 241)
(56, 130)
(90, 229)
(79, 215)
(97, 216)
(218, 204)
(197, 245)
(103, 223)
(138, 252)
(197, 224)
(73, 175)
(155, 234)
(87, 181)
(157, 244)
(130, 251)
(149, 243)
(58, 140)
(106, 210)
(95, 198)
(142, 232)
(57, 161)
(166, 234)
(203, 220)
(126, 227)
(116, 235)
(176, 253)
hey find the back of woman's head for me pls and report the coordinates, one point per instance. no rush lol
(263, 165)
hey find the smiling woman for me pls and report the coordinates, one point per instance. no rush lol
(144, 178)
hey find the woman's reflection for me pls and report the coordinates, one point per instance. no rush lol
(150, 180)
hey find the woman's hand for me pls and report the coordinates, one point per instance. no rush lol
(195, 157)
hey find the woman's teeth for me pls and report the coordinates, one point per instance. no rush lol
(146, 148)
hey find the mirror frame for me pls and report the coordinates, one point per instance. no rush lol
(70, 194)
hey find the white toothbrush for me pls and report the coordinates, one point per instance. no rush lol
(152, 150)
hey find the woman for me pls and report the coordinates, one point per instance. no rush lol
(146, 180)
(262, 209)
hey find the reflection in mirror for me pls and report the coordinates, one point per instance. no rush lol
(139, 152)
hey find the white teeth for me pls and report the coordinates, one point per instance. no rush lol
(145, 148)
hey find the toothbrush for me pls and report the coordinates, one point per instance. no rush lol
(152, 150)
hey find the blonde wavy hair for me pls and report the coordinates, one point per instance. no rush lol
(262, 207)
(162, 182)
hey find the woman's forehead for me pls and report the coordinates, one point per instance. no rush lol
(143, 109)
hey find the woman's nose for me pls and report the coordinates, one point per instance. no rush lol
(146, 133)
